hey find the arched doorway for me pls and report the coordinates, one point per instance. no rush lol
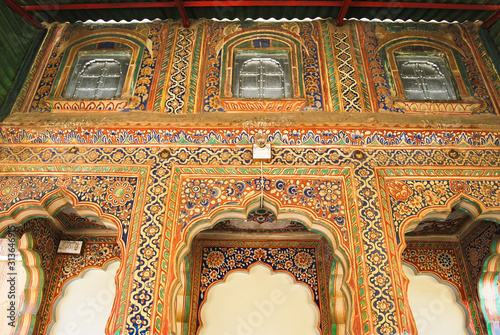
(283, 247)
(259, 301)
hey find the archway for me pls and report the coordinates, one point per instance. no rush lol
(437, 242)
(260, 301)
(435, 305)
(42, 223)
(322, 200)
(86, 302)
(240, 234)
(488, 287)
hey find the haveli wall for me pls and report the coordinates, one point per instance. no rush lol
(173, 156)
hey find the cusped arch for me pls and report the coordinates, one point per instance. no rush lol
(104, 267)
(34, 284)
(48, 207)
(473, 207)
(341, 295)
(54, 203)
(442, 298)
(272, 273)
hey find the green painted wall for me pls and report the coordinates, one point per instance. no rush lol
(495, 33)
(16, 36)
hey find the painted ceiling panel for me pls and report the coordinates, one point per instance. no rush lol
(254, 9)
(406, 9)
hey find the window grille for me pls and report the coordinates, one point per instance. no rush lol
(264, 76)
(98, 76)
(425, 77)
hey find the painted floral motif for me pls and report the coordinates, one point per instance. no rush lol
(322, 196)
(303, 260)
(286, 136)
(303, 191)
(300, 262)
(308, 262)
(215, 259)
(445, 260)
(477, 246)
(44, 236)
(119, 193)
(9, 190)
(436, 193)
(329, 191)
(436, 260)
(195, 189)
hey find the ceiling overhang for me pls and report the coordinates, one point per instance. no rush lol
(33, 12)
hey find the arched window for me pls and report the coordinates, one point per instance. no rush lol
(262, 72)
(426, 74)
(259, 76)
(98, 72)
(425, 77)
(98, 75)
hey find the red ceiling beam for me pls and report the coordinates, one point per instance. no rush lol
(488, 23)
(247, 3)
(182, 11)
(423, 5)
(114, 5)
(23, 13)
(342, 12)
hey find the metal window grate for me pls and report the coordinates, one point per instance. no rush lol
(425, 77)
(98, 76)
(261, 76)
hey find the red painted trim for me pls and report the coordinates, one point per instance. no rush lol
(99, 6)
(247, 3)
(23, 13)
(343, 11)
(182, 11)
(424, 5)
(488, 23)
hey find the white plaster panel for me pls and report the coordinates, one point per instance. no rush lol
(434, 305)
(259, 302)
(86, 303)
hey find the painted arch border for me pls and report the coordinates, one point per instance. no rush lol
(125, 273)
(396, 242)
(176, 243)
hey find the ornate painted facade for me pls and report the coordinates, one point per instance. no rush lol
(140, 176)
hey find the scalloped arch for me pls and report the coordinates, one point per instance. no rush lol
(270, 276)
(488, 288)
(464, 202)
(52, 204)
(341, 295)
(34, 285)
(80, 276)
(439, 281)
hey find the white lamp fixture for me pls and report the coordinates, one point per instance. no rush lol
(261, 149)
